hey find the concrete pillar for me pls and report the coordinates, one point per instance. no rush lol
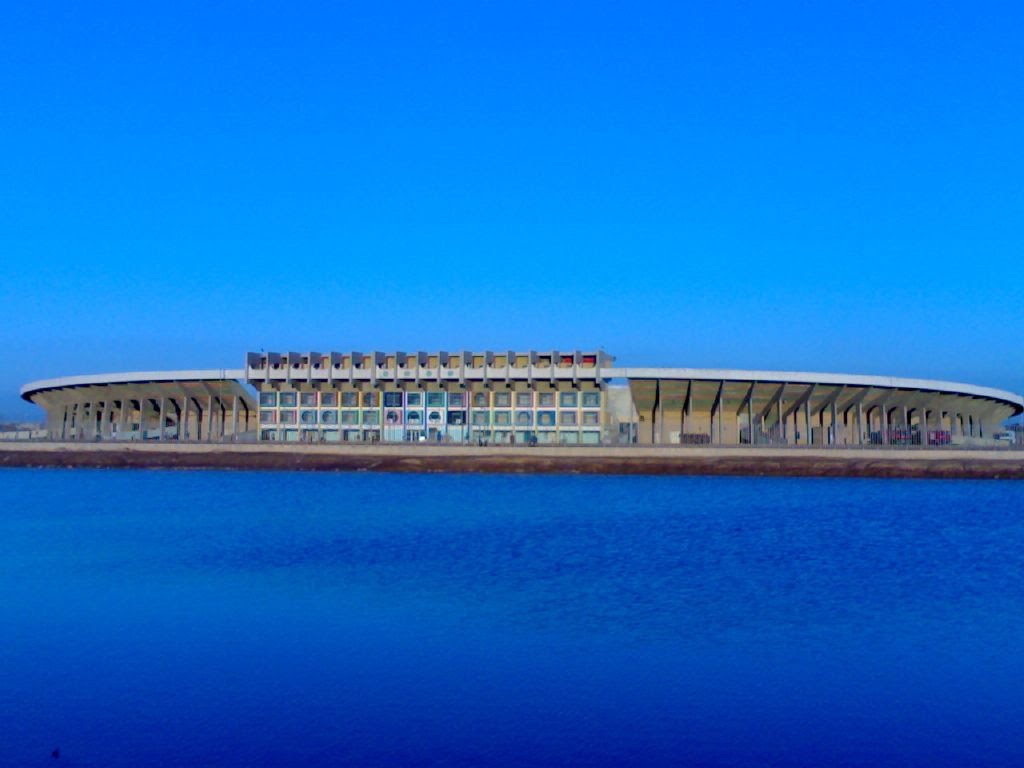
(809, 440)
(183, 426)
(661, 414)
(209, 420)
(750, 416)
(885, 424)
(860, 424)
(234, 417)
(163, 416)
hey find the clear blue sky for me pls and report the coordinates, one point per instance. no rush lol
(766, 185)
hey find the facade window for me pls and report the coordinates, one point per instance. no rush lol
(524, 399)
(567, 399)
(480, 400)
(434, 418)
(350, 399)
(393, 417)
(350, 417)
(414, 399)
(308, 417)
(268, 417)
(546, 399)
(287, 399)
(481, 418)
(567, 418)
(545, 418)
(435, 399)
(268, 434)
(329, 417)
(268, 399)
(371, 417)
(502, 418)
(328, 399)
(590, 418)
(392, 399)
(370, 400)
(456, 417)
(456, 399)
(502, 399)
(307, 399)
(287, 417)
(591, 399)
(414, 418)
(524, 418)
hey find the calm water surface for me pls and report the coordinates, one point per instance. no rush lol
(207, 618)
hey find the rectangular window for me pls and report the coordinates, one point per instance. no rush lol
(480, 400)
(567, 418)
(546, 399)
(350, 399)
(308, 417)
(591, 399)
(307, 399)
(350, 417)
(502, 399)
(268, 417)
(268, 399)
(567, 399)
(392, 399)
(456, 399)
(414, 399)
(456, 417)
(524, 399)
(370, 399)
(481, 418)
(435, 399)
(524, 418)
(545, 418)
(371, 417)
(329, 417)
(287, 417)
(328, 399)
(502, 418)
(287, 399)
(591, 418)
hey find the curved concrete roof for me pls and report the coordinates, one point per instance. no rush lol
(698, 374)
(131, 377)
(806, 377)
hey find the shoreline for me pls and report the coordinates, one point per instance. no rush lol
(627, 460)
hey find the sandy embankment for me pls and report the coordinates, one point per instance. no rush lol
(937, 463)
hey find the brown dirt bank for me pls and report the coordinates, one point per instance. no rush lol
(630, 461)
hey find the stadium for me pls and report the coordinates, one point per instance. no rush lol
(526, 398)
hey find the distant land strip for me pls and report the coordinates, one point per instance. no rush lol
(636, 460)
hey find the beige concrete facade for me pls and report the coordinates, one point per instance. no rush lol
(533, 397)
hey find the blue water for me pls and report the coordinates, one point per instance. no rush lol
(154, 618)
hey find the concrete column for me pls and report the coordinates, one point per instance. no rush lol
(209, 420)
(105, 420)
(885, 424)
(860, 424)
(163, 416)
(234, 417)
(122, 418)
(661, 414)
(750, 416)
(183, 426)
(809, 440)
